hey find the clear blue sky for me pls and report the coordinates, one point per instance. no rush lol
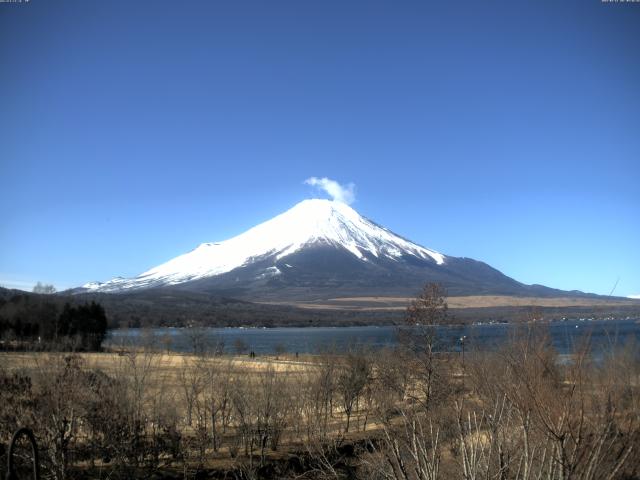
(509, 131)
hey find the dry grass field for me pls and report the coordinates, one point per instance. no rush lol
(474, 301)
(256, 405)
(358, 415)
(165, 365)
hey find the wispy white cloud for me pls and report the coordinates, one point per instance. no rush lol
(341, 193)
(637, 296)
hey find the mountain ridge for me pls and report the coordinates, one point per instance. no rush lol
(320, 249)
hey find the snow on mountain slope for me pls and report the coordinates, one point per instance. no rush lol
(310, 222)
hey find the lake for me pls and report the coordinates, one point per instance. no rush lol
(565, 335)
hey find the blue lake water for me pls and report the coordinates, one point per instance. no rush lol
(565, 336)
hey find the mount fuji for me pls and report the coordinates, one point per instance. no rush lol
(319, 249)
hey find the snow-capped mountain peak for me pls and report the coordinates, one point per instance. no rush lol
(310, 222)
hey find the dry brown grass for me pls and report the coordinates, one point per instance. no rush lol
(472, 301)
(166, 364)
(166, 370)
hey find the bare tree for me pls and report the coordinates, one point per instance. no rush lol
(241, 347)
(423, 314)
(218, 401)
(60, 405)
(44, 288)
(353, 377)
(409, 449)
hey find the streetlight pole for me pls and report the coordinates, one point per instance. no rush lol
(462, 340)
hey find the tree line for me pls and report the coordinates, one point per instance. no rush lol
(39, 322)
